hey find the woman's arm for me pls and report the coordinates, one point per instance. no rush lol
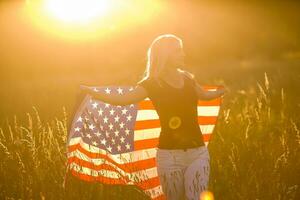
(208, 95)
(134, 96)
(201, 93)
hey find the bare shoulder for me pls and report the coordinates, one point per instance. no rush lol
(141, 87)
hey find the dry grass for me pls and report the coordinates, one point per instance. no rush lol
(254, 153)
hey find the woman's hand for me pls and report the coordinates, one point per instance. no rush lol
(85, 88)
(222, 90)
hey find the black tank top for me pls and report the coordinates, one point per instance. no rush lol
(177, 111)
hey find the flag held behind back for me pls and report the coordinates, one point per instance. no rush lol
(117, 144)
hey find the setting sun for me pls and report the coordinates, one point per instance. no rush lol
(89, 19)
(79, 11)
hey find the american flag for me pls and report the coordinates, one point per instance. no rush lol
(117, 144)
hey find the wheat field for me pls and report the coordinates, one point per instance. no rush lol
(255, 153)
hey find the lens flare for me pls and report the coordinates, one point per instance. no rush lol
(206, 195)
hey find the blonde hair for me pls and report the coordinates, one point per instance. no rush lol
(157, 55)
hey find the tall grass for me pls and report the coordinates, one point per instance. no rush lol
(32, 159)
(255, 150)
(254, 153)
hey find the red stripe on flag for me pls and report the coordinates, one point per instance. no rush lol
(142, 164)
(206, 137)
(146, 105)
(145, 144)
(147, 124)
(214, 102)
(206, 120)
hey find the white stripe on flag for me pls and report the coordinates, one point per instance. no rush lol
(146, 134)
(206, 129)
(146, 115)
(122, 158)
(208, 110)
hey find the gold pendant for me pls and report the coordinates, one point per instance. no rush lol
(174, 122)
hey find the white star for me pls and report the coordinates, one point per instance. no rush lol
(106, 105)
(121, 125)
(120, 91)
(131, 88)
(127, 131)
(98, 133)
(111, 126)
(116, 133)
(95, 105)
(107, 133)
(103, 141)
(131, 105)
(119, 148)
(113, 140)
(117, 118)
(88, 135)
(109, 148)
(107, 90)
(127, 146)
(105, 119)
(122, 139)
(124, 111)
(129, 117)
(100, 111)
(86, 119)
(79, 119)
(112, 112)
(77, 129)
(91, 126)
(95, 143)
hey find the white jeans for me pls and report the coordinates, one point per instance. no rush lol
(183, 174)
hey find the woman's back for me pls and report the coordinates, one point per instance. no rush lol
(177, 110)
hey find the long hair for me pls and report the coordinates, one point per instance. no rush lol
(157, 55)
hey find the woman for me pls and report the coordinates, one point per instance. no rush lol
(182, 157)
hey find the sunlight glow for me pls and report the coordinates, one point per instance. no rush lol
(77, 11)
(78, 20)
